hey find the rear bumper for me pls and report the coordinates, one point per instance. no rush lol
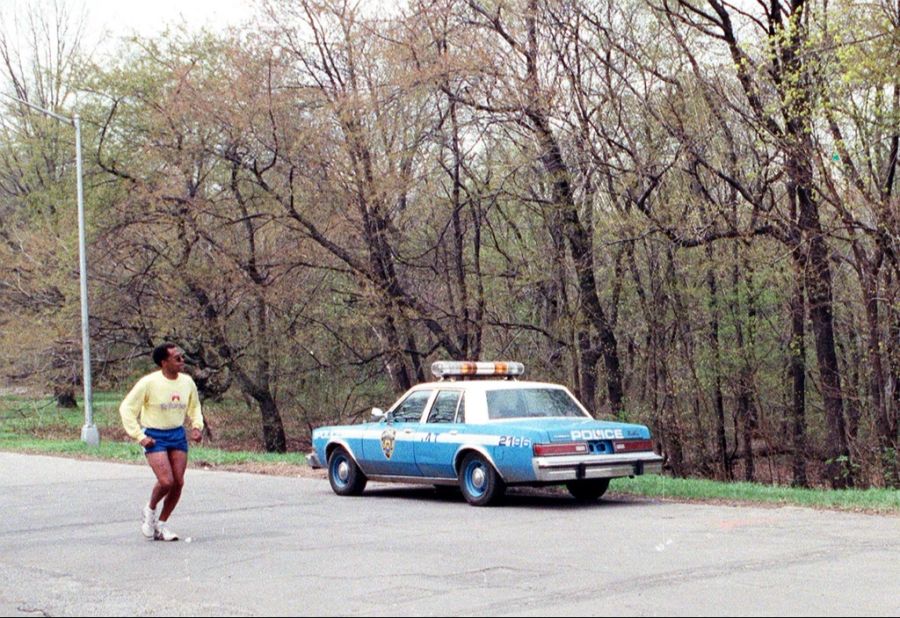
(571, 468)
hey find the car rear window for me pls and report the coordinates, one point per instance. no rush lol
(530, 403)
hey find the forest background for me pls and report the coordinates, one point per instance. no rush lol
(685, 210)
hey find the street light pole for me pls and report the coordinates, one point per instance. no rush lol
(90, 435)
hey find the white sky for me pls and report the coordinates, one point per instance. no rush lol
(109, 21)
(150, 17)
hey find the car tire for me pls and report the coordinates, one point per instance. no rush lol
(588, 490)
(479, 482)
(344, 475)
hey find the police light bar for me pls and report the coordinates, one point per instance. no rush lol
(452, 369)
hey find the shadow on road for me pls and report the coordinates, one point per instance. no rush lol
(534, 497)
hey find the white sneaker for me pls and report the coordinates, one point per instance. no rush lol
(148, 526)
(163, 533)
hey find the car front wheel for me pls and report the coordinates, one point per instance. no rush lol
(344, 475)
(479, 482)
(588, 490)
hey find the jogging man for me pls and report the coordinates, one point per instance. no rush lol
(153, 414)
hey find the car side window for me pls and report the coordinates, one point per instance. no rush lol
(410, 409)
(443, 410)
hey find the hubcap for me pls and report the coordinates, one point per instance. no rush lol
(478, 478)
(343, 471)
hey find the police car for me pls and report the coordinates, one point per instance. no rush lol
(483, 429)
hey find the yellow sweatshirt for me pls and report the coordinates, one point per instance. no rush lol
(160, 403)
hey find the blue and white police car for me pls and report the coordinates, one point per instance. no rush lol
(482, 428)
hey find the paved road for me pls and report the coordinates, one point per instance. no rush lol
(263, 545)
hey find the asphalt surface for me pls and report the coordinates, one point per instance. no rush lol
(70, 544)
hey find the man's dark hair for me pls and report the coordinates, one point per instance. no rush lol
(161, 353)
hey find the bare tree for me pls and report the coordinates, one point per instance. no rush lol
(40, 49)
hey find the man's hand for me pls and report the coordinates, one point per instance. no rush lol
(148, 442)
(196, 435)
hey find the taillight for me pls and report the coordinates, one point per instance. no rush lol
(628, 446)
(567, 448)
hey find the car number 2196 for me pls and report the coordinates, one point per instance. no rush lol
(514, 441)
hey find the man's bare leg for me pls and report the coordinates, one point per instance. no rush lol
(177, 461)
(165, 478)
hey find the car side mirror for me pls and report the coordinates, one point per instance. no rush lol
(378, 414)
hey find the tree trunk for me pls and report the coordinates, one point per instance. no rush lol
(394, 359)
(851, 361)
(797, 354)
(272, 425)
(65, 397)
(746, 428)
(718, 400)
(746, 421)
(669, 417)
(819, 295)
(588, 358)
(894, 359)
(887, 440)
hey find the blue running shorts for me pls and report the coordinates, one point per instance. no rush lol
(166, 440)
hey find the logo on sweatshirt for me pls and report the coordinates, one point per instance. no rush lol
(174, 403)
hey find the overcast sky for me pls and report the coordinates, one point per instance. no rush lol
(149, 17)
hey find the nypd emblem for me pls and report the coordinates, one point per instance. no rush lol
(388, 437)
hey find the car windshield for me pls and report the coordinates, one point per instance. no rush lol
(530, 403)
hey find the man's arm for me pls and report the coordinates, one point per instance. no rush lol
(195, 414)
(130, 411)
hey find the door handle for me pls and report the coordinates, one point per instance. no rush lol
(407, 431)
(454, 433)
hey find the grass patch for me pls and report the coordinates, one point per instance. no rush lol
(30, 415)
(131, 452)
(116, 451)
(657, 486)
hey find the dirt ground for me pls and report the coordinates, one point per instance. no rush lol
(273, 469)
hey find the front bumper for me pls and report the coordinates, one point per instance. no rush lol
(313, 460)
(576, 467)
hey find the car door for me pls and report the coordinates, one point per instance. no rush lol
(440, 434)
(391, 451)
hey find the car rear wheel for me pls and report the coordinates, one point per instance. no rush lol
(344, 475)
(479, 482)
(588, 490)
